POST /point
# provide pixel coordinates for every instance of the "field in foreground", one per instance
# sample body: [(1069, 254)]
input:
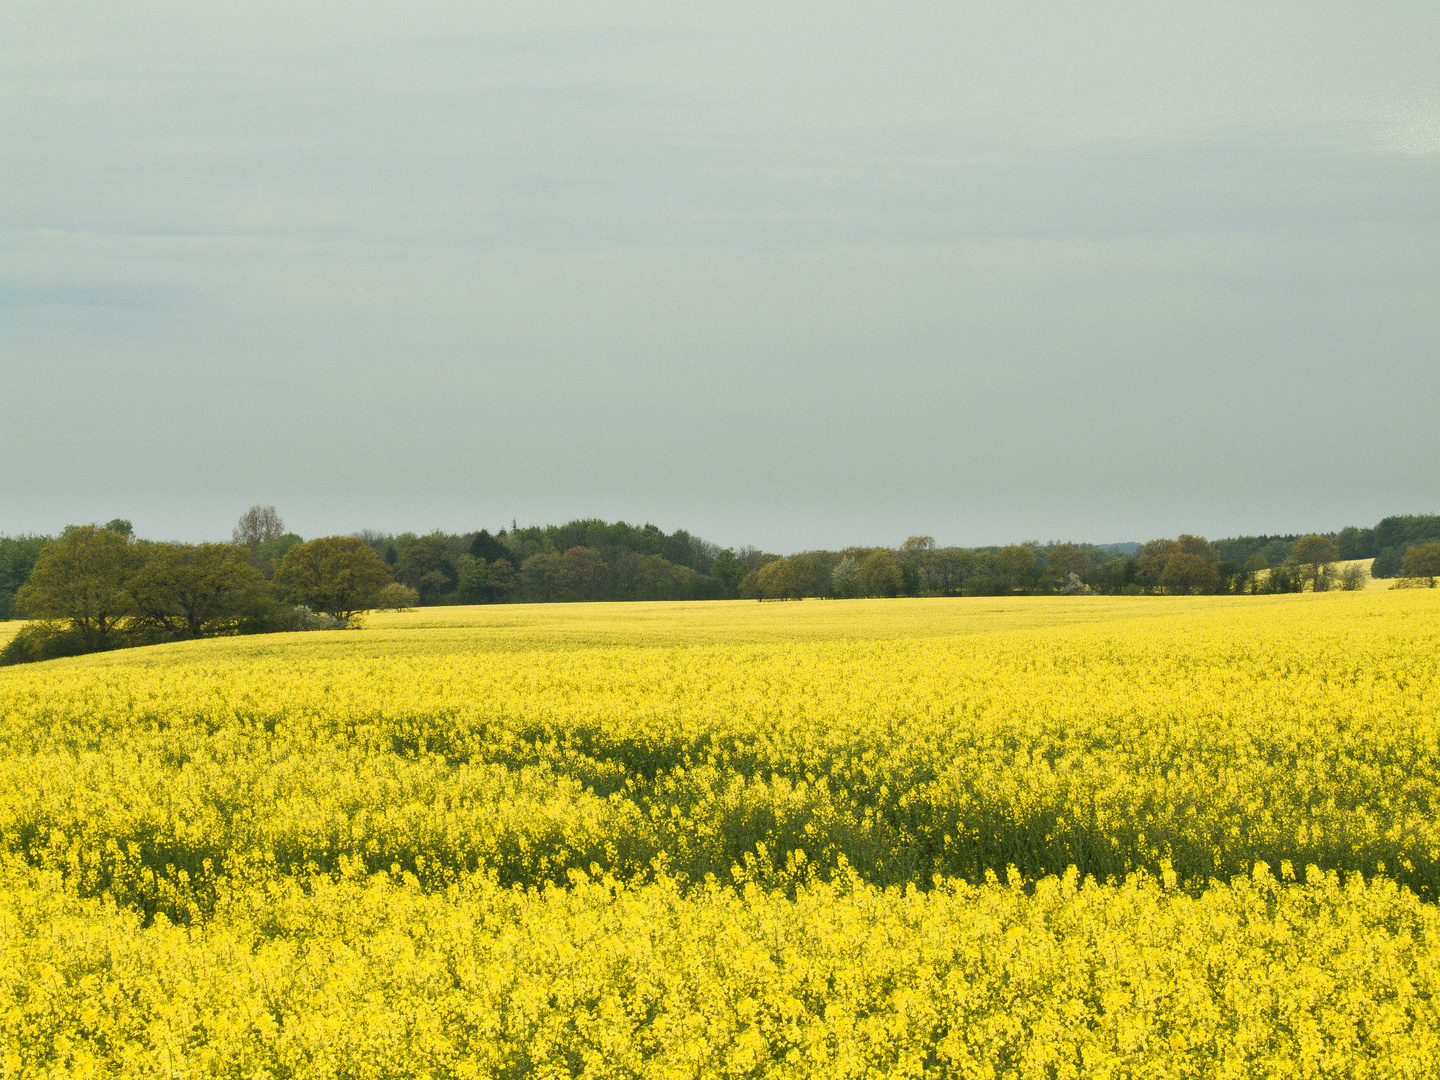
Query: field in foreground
[(1030, 837)]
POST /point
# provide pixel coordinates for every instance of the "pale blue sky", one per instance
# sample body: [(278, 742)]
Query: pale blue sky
[(824, 275)]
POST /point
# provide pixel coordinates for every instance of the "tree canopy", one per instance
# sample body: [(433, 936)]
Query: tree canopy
[(256, 525), (1314, 551), (195, 590), (83, 581), (1422, 561), (97, 586), (337, 575)]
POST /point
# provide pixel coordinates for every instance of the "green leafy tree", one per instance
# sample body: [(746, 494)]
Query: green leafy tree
[(1230, 576), (17, 558), (950, 567), (1114, 576), (1315, 553), (1354, 543), (82, 580), (916, 557), (1015, 568), (880, 573), (1251, 570), (1406, 530), (337, 575), (1352, 578), (1195, 545), (1064, 560), (779, 579), (1388, 563), (426, 565), (1422, 561), (581, 575), (396, 597), (651, 577), (540, 576), (812, 570), (1187, 573), (1283, 579), (845, 578), (1151, 560), (484, 546), (728, 570), (730, 567), (266, 555), (195, 590), (472, 579), (503, 579)]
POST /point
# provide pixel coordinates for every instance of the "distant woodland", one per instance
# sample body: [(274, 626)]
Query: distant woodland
[(98, 586)]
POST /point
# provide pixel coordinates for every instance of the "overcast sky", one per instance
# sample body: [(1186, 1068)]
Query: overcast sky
[(832, 274)]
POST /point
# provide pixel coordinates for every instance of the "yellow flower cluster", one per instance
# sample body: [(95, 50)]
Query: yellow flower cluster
[(736, 839), (376, 978)]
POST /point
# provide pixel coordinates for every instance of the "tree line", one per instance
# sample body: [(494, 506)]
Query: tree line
[(583, 560), (99, 587), (1187, 565)]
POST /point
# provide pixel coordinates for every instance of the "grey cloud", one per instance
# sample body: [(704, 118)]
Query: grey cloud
[(797, 277)]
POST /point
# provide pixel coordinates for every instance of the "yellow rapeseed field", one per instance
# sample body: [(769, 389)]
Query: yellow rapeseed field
[(1027, 837)]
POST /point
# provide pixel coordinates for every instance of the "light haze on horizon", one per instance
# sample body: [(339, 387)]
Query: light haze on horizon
[(798, 278)]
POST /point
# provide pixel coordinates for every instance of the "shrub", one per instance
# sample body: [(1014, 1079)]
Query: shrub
[(1387, 563), (1282, 579), (42, 641), (396, 597), (300, 617)]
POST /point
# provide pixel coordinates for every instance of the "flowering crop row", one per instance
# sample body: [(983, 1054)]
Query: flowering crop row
[(375, 977), (1209, 740), (736, 839)]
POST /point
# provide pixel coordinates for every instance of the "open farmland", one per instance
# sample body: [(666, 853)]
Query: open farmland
[(1161, 836)]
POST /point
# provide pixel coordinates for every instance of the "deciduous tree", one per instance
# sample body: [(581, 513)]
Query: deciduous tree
[(1015, 567), (266, 555), (1422, 561), (257, 524), (845, 578), (779, 579), (1150, 562), (1253, 565), (503, 579), (83, 580), (17, 559), (1315, 553), (1186, 574), (1066, 559), (916, 555), (1195, 545), (195, 590), (396, 597), (540, 575), (581, 574), (728, 569), (338, 575), (426, 565), (880, 573)]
